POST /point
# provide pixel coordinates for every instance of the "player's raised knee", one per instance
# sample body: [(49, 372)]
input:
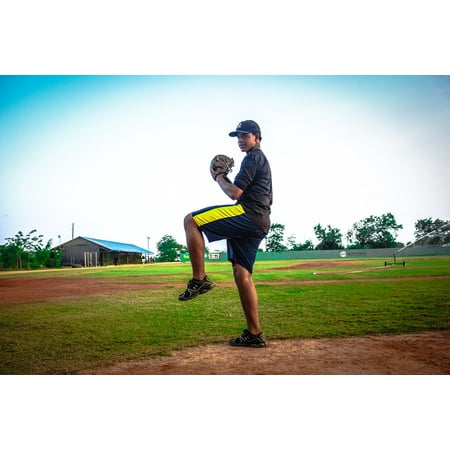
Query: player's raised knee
[(189, 222)]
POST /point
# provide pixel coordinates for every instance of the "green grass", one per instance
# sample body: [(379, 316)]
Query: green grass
[(68, 335)]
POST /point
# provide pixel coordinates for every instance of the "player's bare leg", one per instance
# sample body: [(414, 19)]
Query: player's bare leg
[(196, 246), (249, 297), (200, 283)]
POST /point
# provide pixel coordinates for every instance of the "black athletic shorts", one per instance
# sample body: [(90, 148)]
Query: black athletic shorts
[(230, 222)]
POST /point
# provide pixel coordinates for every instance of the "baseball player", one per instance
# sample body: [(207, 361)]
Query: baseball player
[(243, 224)]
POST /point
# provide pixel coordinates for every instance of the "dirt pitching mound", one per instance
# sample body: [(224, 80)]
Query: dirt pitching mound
[(427, 353)]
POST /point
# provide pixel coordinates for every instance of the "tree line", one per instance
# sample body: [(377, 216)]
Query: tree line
[(28, 251), (371, 232)]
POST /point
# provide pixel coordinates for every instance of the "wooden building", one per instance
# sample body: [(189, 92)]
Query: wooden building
[(88, 252)]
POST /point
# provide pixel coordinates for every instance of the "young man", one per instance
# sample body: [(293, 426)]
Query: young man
[(243, 225)]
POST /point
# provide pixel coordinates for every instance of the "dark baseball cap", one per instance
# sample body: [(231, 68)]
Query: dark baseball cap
[(246, 126)]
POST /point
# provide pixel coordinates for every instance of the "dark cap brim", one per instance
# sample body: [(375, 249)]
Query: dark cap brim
[(235, 133)]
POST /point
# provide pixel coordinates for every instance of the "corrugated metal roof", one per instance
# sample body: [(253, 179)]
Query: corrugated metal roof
[(118, 246)]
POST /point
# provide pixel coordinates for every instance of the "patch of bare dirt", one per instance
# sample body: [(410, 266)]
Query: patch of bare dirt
[(14, 290), (411, 354), (315, 265)]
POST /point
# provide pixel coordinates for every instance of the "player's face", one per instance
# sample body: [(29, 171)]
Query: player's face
[(247, 141)]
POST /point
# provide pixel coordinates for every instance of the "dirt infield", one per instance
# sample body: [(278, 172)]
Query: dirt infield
[(41, 289), (38, 289)]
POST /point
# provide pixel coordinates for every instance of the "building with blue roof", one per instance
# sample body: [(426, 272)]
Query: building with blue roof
[(88, 252)]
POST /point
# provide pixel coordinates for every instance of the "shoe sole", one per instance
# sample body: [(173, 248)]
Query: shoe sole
[(249, 345)]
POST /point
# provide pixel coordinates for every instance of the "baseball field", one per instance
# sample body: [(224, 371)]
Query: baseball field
[(342, 316)]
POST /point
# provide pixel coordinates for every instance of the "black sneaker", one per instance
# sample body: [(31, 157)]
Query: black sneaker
[(247, 339), (196, 287)]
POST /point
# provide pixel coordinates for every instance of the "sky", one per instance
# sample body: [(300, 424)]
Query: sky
[(124, 158)]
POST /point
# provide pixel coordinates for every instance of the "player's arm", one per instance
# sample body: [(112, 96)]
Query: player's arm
[(228, 187)]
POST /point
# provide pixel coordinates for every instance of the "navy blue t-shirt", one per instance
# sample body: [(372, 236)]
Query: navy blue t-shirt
[(255, 179)]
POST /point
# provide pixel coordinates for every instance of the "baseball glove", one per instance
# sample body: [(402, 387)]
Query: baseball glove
[(221, 164)]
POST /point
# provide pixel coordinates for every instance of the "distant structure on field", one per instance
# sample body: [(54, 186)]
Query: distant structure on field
[(89, 252)]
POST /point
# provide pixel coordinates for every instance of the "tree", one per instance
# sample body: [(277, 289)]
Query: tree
[(374, 232), (25, 250), (291, 242), (275, 238), (8, 257), (329, 238), (429, 232), (307, 245), (168, 249)]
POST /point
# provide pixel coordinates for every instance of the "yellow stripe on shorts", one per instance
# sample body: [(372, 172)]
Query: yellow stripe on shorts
[(223, 212)]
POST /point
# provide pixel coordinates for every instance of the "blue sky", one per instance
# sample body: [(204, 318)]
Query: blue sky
[(126, 157)]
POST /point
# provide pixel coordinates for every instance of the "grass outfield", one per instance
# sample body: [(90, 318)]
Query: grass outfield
[(298, 299)]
